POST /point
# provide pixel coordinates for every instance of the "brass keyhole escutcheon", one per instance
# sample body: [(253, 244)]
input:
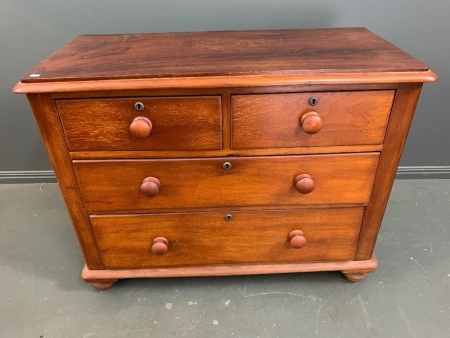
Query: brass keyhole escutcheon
[(313, 101), (139, 106), (227, 165)]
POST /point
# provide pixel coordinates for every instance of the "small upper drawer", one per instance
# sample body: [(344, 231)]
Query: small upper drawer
[(157, 123), (310, 119)]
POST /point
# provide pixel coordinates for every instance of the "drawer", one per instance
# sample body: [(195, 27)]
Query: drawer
[(115, 185), (291, 120), (176, 123), (125, 241)]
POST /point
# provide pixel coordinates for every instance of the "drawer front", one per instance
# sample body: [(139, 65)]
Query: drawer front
[(177, 123), (275, 120), (251, 181), (208, 238)]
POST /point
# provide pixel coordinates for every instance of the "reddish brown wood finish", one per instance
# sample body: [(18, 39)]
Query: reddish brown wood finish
[(146, 123), (160, 246), (354, 276), (204, 183), (397, 131), (304, 183), (91, 276), (205, 83), (179, 123), (209, 239), (86, 155), (297, 239), (141, 127), (273, 120), (103, 286), (53, 137), (226, 125), (224, 92), (276, 52), (150, 186), (311, 122)]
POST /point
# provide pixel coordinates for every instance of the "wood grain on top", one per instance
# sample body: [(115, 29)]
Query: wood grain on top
[(228, 53)]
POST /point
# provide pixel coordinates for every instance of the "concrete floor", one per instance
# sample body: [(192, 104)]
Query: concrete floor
[(43, 296)]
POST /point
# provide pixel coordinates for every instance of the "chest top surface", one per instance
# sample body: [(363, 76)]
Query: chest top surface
[(226, 53)]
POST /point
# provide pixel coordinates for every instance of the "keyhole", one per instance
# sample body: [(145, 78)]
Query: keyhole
[(227, 165), (313, 101), (139, 106), (228, 217)]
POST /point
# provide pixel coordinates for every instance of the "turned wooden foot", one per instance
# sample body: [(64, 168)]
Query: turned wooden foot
[(354, 276), (102, 286)]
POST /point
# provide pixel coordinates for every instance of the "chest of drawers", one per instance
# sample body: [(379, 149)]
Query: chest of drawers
[(224, 153)]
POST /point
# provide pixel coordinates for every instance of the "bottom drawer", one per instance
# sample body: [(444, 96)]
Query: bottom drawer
[(212, 238)]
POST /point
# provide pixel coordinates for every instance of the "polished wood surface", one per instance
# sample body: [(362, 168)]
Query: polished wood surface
[(225, 153), (150, 186), (178, 123), (251, 181), (274, 120), (223, 92), (354, 276), (304, 183), (160, 246), (93, 155), (141, 127), (54, 141), (311, 122), (276, 52), (297, 239), (238, 81), (401, 117), (210, 239), (92, 276)]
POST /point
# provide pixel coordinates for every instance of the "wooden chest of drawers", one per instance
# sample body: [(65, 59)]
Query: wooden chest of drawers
[(224, 153)]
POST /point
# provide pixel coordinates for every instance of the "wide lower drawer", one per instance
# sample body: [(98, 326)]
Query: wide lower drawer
[(142, 123), (310, 119), (126, 241), (118, 185)]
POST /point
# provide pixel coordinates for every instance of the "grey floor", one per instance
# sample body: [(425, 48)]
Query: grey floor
[(43, 296)]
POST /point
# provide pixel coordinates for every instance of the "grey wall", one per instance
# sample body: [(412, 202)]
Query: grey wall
[(31, 30)]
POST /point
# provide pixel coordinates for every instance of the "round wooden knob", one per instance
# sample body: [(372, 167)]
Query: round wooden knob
[(311, 122), (160, 246), (304, 184), (140, 127), (150, 186), (297, 239)]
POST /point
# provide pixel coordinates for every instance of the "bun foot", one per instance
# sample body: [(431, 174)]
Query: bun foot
[(354, 276), (103, 286)]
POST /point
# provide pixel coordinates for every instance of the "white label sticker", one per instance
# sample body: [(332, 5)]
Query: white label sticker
[(34, 75)]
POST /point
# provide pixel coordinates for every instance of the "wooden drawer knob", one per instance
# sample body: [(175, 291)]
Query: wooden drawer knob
[(311, 122), (140, 127), (160, 246), (304, 184), (150, 186), (297, 239)]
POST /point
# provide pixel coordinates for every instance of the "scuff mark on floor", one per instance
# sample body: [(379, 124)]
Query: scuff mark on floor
[(317, 314), (193, 324), (402, 314), (30, 300), (365, 313), (417, 263)]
